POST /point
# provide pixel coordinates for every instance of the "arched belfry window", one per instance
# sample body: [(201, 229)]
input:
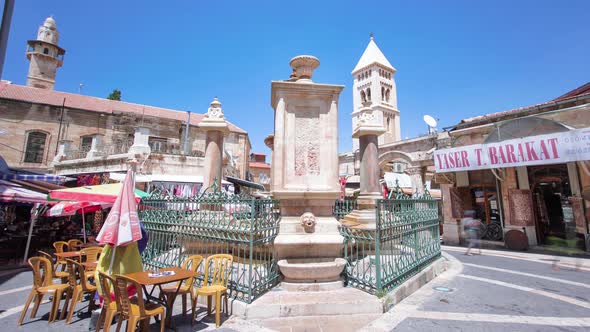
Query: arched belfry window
[(35, 148), (369, 94), (45, 50), (387, 95), (363, 96)]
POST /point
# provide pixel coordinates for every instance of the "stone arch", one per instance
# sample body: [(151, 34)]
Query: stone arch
[(388, 156), (369, 94), (363, 96)]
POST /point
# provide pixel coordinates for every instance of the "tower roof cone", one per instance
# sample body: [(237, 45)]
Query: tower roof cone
[(372, 55)]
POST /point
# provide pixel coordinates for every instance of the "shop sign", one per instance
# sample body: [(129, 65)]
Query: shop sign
[(555, 148)]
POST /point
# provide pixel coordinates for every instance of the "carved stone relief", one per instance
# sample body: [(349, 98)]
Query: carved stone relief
[(307, 142)]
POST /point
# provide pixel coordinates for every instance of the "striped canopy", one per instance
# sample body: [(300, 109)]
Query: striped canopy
[(104, 193)]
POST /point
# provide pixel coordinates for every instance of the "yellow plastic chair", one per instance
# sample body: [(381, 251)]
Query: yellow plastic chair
[(63, 275), (109, 307), (73, 244), (215, 283), (134, 311), (43, 284), (60, 246), (192, 264), (78, 286), (90, 254)]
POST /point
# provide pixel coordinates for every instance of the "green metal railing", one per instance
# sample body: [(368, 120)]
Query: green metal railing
[(215, 223), (343, 207), (404, 240)]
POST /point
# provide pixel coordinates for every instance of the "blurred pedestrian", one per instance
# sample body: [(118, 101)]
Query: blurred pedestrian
[(471, 228)]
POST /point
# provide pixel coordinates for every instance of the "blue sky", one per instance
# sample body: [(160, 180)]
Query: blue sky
[(455, 59)]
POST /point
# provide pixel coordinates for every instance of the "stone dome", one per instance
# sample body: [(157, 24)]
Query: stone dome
[(50, 23)]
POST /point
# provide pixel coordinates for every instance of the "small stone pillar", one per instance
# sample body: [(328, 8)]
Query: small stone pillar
[(62, 149), (140, 143), (215, 127), (97, 143), (269, 141), (367, 131)]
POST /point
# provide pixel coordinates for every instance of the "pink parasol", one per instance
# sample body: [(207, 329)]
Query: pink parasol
[(121, 226)]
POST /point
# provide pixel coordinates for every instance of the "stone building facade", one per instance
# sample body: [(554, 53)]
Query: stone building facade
[(48, 130), (547, 200)]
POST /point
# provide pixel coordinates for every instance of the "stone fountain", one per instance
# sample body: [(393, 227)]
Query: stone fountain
[(305, 175)]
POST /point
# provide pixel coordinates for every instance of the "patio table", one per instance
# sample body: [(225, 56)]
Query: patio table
[(145, 280)]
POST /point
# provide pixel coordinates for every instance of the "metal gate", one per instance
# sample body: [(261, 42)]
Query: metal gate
[(404, 240), (215, 223)]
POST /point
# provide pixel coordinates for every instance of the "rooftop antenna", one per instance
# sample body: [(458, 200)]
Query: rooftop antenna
[(431, 122), (80, 88)]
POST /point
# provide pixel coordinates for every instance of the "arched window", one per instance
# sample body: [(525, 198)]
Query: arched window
[(387, 95), (45, 50), (382, 93), (388, 124), (369, 94), (363, 96), (35, 148)]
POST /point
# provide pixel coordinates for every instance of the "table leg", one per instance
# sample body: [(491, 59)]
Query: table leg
[(170, 305)]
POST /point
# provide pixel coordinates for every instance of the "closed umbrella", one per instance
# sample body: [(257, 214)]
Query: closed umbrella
[(120, 232)]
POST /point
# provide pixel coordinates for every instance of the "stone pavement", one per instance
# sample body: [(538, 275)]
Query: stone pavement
[(498, 291), (495, 291)]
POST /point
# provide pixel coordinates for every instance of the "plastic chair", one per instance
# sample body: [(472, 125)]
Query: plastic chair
[(63, 275), (192, 264), (109, 307), (90, 254), (78, 286), (43, 284), (60, 246), (215, 283), (73, 244), (134, 311)]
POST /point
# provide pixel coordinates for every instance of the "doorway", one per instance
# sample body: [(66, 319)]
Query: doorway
[(553, 211)]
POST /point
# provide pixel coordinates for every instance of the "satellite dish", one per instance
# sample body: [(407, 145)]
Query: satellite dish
[(430, 121)]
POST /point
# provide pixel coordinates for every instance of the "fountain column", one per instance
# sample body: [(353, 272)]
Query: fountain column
[(367, 131), (305, 174), (215, 127)]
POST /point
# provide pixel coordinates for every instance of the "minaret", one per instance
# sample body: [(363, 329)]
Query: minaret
[(374, 93), (45, 56)]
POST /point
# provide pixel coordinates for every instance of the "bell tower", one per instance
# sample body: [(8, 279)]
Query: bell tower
[(374, 94), (45, 56)]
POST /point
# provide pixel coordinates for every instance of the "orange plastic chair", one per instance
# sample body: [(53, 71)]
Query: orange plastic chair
[(215, 283), (134, 311), (63, 275), (109, 307), (78, 286), (43, 284), (73, 244), (90, 254), (60, 246), (192, 264)]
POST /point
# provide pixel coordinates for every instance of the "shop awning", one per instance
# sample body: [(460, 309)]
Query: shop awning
[(554, 148), (245, 183), (18, 194), (162, 178), (105, 193)]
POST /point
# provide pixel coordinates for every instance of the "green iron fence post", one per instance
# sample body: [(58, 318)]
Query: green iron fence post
[(377, 246), (251, 240)]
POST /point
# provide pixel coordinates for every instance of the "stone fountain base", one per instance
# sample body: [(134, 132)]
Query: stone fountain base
[(311, 270)]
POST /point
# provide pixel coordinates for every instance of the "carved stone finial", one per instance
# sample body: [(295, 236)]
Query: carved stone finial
[(308, 222), (372, 36), (215, 111), (303, 66)]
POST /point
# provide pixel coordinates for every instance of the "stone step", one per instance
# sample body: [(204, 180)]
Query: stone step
[(309, 245), (282, 303), (336, 323)]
